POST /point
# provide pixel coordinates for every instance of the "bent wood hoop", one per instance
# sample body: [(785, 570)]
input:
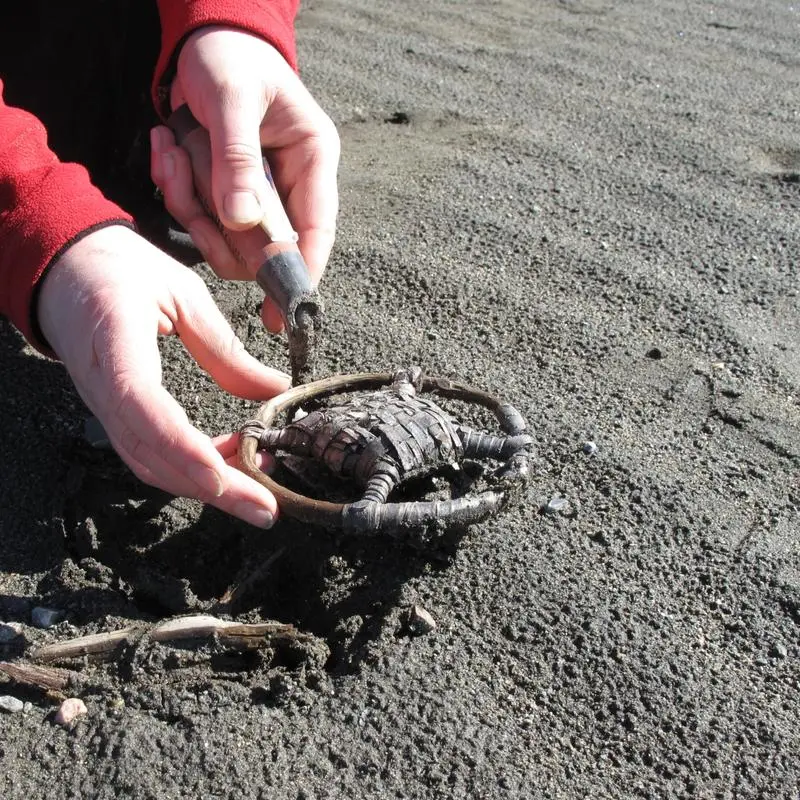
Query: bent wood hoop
[(365, 516)]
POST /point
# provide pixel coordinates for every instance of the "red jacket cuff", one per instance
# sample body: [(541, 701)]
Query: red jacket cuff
[(272, 20), (45, 205)]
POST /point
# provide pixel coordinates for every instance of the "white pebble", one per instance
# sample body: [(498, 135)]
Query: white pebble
[(11, 705), (556, 504), (45, 617), (420, 621), (69, 711), (590, 448)]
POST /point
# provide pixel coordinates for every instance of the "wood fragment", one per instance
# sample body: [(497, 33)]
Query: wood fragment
[(197, 626), (204, 626), (255, 635), (237, 590), (49, 678), (94, 644), (243, 636)]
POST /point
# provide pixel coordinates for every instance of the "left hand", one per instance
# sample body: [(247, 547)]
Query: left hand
[(102, 306), (244, 93)]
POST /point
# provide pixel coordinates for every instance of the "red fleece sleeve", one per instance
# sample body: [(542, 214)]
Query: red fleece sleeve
[(44, 207), (272, 20)]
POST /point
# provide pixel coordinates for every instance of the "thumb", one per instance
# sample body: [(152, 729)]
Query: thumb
[(238, 181)]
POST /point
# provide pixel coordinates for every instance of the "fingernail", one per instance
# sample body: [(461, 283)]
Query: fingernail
[(168, 165), (242, 207), (155, 140), (254, 514), (206, 478)]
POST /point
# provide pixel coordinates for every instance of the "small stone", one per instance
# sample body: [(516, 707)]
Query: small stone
[(398, 118), (590, 448), (116, 705), (45, 617), (11, 705), (27, 707), (556, 504), (779, 650), (655, 353), (69, 711), (9, 631), (420, 621), (95, 434)]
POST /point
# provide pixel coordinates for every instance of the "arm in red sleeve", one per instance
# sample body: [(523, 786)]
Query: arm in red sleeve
[(45, 206), (272, 20)]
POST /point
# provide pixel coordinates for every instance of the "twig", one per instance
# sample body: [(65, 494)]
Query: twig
[(96, 643), (48, 678)]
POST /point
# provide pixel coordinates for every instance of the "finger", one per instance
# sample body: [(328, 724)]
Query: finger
[(147, 423), (264, 462), (316, 244), (227, 445), (171, 170), (237, 173), (148, 427), (313, 200), (150, 468), (242, 497), (271, 316), (209, 338)]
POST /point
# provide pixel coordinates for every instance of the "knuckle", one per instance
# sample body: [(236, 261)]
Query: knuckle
[(239, 155), (131, 445), (234, 347)]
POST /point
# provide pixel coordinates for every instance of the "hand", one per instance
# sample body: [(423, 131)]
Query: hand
[(244, 93), (101, 307)]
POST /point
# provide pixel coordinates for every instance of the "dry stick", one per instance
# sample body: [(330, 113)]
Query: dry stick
[(235, 591), (198, 626), (243, 636), (203, 626), (94, 644), (48, 678)]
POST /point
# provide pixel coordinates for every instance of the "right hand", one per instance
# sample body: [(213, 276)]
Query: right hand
[(240, 88), (101, 307)]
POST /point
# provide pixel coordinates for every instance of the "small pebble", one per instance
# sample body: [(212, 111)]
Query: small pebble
[(655, 353), (69, 711), (9, 631), (116, 705), (779, 650), (11, 705), (45, 617), (590, 448), (556, 504), (420, 621), (95, 434)]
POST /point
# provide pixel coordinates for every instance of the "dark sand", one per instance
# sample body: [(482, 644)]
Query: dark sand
[(593, 209)]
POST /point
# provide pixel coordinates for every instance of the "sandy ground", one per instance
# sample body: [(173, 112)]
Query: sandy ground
[(590, 206)]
